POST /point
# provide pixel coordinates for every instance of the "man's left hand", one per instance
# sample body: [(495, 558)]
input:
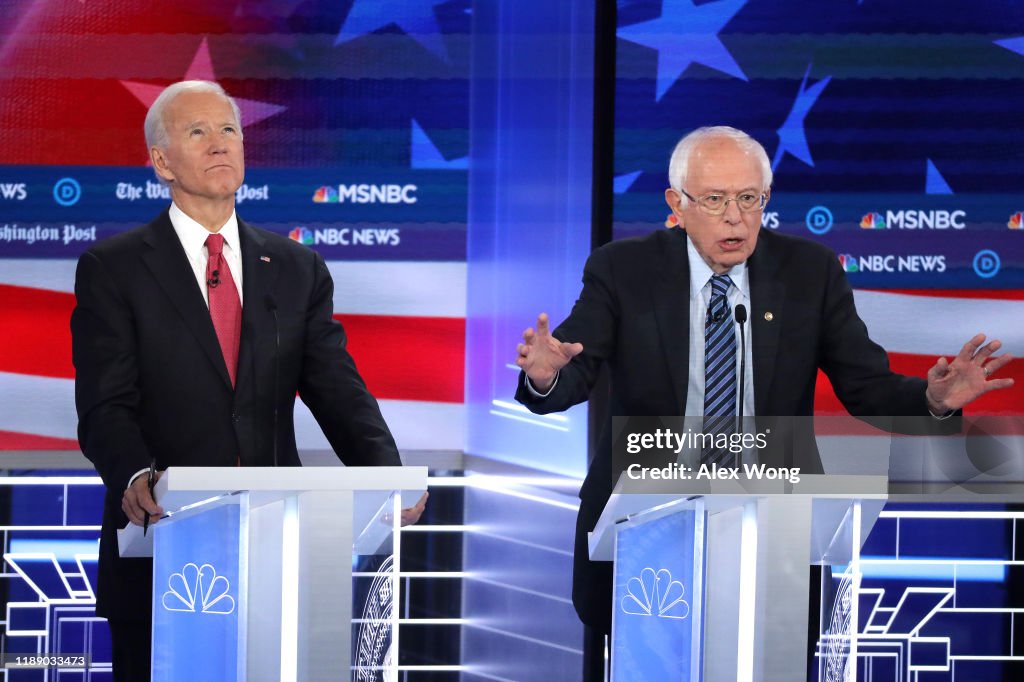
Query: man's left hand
[(952, 385)]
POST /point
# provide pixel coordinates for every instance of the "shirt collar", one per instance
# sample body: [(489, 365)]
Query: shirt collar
[(193, 236), (701, 272)]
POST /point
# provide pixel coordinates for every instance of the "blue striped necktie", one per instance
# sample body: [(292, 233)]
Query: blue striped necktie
[(719, 369)]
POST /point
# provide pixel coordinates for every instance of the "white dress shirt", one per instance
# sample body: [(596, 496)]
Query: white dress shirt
[(193, 236)]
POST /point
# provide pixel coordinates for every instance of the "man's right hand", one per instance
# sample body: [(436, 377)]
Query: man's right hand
[(138, 500), (541, 355)]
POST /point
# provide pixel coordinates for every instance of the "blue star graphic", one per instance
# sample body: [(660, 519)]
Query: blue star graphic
[(684, 34), (416, 18), (1015, 44), (424, 154), (934, 183), (792, 137)]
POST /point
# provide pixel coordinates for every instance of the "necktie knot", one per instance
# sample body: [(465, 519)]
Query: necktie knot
[(215, 244), (718, 308), (719, 284)]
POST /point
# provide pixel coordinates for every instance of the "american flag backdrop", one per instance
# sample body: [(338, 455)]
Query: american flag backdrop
[(894, 130), (356, 133)]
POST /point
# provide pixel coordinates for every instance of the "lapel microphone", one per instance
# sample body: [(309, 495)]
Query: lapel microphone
[(214, 281)]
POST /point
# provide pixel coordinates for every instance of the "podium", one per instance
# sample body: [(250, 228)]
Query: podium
[(262, 573), (712, 581)]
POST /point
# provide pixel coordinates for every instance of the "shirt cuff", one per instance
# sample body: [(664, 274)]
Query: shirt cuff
[(138, 473), (538, 394)]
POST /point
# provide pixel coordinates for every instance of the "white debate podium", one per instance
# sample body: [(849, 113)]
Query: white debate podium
[(745, 549), (262, 573)]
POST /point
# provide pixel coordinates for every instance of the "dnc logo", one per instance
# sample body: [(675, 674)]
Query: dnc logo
[(872, 221), (1015, 221), (301, 235), (849, 262), (325, 195)]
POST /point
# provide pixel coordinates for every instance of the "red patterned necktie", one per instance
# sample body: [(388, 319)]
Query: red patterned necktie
[(225, 306)]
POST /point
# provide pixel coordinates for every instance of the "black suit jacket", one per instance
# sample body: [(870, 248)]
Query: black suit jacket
[(633, 314), (151, 380)]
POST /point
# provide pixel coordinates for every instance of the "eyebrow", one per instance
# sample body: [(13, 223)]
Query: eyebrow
[(752, 188), (202, 122)]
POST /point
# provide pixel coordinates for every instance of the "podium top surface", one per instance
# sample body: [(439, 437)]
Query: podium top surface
[(185, 490), (629, 499), (292, 479)]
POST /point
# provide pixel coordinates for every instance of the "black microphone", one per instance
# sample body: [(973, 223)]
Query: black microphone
[(740, 313), (272, 307), (214, 281)]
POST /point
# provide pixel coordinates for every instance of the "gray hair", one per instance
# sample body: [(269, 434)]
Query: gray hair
[(156, 131), (679, 164)]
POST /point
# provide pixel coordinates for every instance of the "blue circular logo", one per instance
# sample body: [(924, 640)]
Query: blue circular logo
[(67, 192), (986, 263), (819, 220)]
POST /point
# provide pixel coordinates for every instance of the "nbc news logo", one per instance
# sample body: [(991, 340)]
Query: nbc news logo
[(301, 235)]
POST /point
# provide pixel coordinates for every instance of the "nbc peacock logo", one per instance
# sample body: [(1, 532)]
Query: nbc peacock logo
[(301, 235), (848, 262), (325, 195), (1015, 221), (872, 221)]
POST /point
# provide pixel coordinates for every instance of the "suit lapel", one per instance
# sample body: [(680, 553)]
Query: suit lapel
[(767, 300), (259, 276), (170, 267), (671, 294)]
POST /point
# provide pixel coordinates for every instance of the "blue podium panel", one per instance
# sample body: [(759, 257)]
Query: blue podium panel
[(196, 597), (658, 596)]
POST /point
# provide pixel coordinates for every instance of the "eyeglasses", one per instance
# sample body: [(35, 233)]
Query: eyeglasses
[(716, 203)]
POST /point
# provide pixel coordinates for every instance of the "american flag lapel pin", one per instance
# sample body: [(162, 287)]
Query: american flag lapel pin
[(265, 259)]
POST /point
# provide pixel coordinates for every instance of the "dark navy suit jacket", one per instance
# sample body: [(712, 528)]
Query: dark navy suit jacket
[(151, 380)]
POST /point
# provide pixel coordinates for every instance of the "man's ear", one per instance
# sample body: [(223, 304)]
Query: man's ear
[(159, 161), (674, 200)]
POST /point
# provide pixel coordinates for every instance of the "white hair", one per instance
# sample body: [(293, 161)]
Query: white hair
[(679, 164), (156, 130)]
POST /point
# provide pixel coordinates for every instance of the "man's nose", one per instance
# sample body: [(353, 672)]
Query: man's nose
[(218, 145), (732, 213)]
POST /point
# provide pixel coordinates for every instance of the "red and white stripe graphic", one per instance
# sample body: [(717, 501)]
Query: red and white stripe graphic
[(406, 329)]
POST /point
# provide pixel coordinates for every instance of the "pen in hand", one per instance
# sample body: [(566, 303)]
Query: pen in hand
[(150, 481)]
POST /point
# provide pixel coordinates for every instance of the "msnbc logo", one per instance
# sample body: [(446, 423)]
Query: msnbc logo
[(325, 195), (848, 262), (1015, 221), (301, 235), (872, 221)]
